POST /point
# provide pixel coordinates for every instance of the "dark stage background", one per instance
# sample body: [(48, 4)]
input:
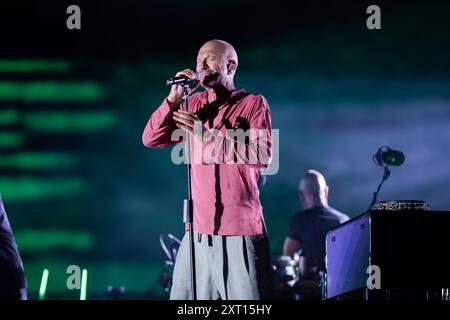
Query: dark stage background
[(80, 188)]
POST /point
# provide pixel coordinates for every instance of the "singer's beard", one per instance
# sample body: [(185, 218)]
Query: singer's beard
[(210, 80)]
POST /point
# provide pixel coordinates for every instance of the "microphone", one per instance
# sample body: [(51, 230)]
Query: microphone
[(386, 156), (183, 80)]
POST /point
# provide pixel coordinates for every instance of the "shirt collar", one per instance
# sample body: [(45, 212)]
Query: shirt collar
[(235, 93)]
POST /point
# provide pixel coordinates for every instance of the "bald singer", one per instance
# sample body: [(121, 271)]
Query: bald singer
[(231, 245)]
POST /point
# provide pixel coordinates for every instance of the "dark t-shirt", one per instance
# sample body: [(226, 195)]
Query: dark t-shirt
[(309, 227), (11, 269)]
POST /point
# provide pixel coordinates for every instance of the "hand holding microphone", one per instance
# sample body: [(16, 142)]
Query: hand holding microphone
[(182, 78)]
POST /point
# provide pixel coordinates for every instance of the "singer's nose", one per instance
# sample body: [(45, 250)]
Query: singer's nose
[(203, 64)]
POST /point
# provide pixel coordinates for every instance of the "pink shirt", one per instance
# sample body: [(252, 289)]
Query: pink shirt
[(225, 196)]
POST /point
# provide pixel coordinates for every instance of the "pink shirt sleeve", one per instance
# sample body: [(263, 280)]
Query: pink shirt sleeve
[(159, 128), (261, 141), (256, 152)]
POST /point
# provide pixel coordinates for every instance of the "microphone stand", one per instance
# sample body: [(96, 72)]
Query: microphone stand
[(386, 175), (188, 208)]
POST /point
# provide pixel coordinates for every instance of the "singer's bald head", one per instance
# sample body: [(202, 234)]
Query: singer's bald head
[(221, 47), (313, 189), (216, 64)]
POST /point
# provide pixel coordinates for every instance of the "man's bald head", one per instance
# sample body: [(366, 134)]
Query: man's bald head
[(221, 47), (313, 183), (313, 189), (217, 62)]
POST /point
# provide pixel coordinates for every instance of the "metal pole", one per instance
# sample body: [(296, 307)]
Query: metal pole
[(188, 210)]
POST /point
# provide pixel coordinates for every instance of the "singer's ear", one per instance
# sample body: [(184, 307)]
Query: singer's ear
[(231, 66)]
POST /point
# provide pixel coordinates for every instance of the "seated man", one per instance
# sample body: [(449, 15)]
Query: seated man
[(305, 242), (12, 278)]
